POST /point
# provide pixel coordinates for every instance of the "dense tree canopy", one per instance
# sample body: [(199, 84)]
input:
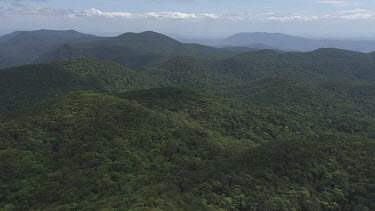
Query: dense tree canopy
[(201, 129), (175, 148)]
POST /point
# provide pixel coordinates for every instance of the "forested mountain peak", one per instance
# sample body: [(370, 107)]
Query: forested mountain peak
[(147, 35), (24, 47), (37, 35), (335, 51), (133, 50), (143, 40)]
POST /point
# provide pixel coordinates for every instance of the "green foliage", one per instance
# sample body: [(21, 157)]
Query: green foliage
[(195, 129), (176, 149), (31, 83)]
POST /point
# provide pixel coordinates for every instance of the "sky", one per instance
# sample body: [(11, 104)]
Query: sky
[(194, 18)]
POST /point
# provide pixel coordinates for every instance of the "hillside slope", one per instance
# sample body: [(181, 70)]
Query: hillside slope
[(24, 47), (27, 84), (186, 150), (339, 93)]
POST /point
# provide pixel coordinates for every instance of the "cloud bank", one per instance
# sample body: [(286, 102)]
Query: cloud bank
[(20, 10)]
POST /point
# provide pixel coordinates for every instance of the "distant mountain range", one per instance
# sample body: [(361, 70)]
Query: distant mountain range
[(149, 48), (286, 42), (133, 49), (130, 49)]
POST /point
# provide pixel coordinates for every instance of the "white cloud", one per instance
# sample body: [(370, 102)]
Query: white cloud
[(293, 18), (209, 15), (333, 2), (171, 15), (270, 17), (180, 15), (97, 13), (20, 10), (339, 3), (356, 14)]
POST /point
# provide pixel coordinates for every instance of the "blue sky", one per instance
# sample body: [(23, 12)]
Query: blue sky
[(194, 18)]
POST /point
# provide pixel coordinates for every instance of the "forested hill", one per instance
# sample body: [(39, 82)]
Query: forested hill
[(178, 149), (24, 47), (187, 127), (319, 80), (261, 76), (23, 85)]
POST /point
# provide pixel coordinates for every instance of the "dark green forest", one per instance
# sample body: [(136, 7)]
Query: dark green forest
[(143, 122)]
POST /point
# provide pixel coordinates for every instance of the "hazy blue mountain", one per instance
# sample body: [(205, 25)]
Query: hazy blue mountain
[(260, 46), (202, 41), (7, 37), (270, 39), (288, 42), (220, 43), (24, 47), (248, 48), (239, 49)]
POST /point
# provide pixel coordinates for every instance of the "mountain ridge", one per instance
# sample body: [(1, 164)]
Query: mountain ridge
[(24, 47), (134, 50), (295, 43), (139, 49)]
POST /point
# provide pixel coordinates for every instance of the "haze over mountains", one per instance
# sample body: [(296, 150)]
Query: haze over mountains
[(286, 42), (142, 121), (131, 48), (25, 47)]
